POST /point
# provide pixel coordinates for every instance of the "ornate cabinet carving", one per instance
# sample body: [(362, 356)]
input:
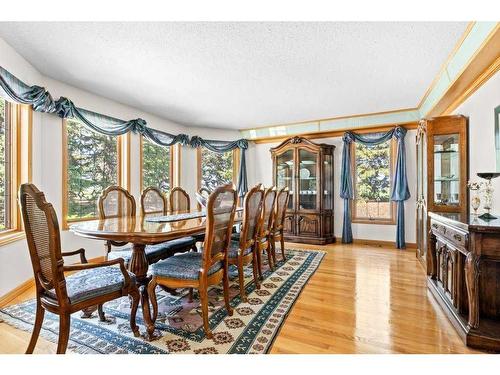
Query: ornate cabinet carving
[(442, 172), (306, 169), (463, 274)]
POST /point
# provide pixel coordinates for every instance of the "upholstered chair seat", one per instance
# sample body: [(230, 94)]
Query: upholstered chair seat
[(183, 266), (91, 283), (234, 248), (155, 253)]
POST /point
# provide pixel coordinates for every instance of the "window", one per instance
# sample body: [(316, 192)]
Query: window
[(15, 156), (372, 169), (91, 163), (215, 169), (156, 166)]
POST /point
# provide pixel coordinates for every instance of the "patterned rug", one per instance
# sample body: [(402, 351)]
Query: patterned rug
[(252, 328)]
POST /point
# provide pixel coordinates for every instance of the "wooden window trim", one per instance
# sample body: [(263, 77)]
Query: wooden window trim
[(123, 171), (236, 165), (392, 165), (174, 170), (20, 117)]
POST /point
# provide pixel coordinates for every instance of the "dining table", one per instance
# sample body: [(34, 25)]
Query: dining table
[(141, 231)]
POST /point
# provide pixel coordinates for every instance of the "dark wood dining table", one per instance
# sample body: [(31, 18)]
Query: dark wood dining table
[(141, 231)]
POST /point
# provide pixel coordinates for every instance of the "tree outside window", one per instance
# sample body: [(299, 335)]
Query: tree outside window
[(156, 166), (216, 168)]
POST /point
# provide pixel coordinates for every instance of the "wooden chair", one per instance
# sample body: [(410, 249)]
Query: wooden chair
[(179, 200), (115, 201), (204, 191), (242, 252), (210, 267), (263, 240), (276, 233), (95, 284), (153, 201)]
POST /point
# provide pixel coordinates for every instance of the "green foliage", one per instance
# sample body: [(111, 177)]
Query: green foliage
[(216, 168), (92, 166), (3, 182), (155, 166), (373, 172)]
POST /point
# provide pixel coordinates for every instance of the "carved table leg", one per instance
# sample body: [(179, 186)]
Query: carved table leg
[(472, 281), (139, 266)]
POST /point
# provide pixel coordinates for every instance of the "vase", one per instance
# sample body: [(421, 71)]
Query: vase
[(475, 202)]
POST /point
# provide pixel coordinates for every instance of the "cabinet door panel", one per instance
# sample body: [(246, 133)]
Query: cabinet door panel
[(289, 224), (308, 225)]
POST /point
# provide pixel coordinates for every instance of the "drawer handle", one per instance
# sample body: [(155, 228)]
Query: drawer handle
[(457, 237)]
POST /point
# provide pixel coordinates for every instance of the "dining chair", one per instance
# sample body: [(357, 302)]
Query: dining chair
[(179, 200), (276, 233), (204, 191), (153, 201), (116, 202), (263, 240), (242, 252), (95, 284), (206, 268)]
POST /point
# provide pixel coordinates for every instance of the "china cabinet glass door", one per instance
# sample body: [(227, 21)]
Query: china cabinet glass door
[(308, 180), (285, 174), (328, 182), (446, 170)]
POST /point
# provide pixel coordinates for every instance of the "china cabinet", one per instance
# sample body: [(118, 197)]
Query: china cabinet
[(442, 172), (306, 169)]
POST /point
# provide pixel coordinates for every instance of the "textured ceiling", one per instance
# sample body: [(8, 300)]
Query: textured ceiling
[(240, 75)]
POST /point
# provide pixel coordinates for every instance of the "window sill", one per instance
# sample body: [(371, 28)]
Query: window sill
[(11, 236), (68, 223), (377, 222)]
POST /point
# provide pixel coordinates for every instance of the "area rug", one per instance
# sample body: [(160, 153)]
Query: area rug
[(251, 329)]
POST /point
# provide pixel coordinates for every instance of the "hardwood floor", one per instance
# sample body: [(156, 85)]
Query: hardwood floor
[(362, 299)]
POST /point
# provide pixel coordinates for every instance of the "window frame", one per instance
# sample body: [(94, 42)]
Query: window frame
[(20, 117), (236, 165), (392, 165), (123, 171), (174, 169)]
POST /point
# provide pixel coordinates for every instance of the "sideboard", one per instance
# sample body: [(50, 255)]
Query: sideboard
[(463, 274)]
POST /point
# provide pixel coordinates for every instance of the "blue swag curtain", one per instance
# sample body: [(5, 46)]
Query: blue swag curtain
[(400, 191), (19, 92), (41, 100), (224, 146)]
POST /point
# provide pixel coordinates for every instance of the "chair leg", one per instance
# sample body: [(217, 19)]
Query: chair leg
[(203, 291), (134, 293), (152, 297), (64, 326), (190, 295), (269, 256), (272, 245), (259, 260), (100, 311), (282, 241), (241, 278), (255, 270), (40, 313), (225, 287)]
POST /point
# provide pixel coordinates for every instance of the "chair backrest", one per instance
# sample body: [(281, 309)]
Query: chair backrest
[(153, 201), (280, 210), (221, 208), (204, 192), (267, 212), (179, 200), (44, 242), (115, 201), (251, 216)]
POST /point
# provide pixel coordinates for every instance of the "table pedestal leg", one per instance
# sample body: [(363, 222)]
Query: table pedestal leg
[(139, 266)]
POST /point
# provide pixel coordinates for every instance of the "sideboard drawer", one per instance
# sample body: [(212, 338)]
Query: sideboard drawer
[(458, 238)]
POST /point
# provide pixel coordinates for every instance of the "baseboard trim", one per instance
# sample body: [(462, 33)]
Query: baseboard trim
[(30, 283), (378, 243)]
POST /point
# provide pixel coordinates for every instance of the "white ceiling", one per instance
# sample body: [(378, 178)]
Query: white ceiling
[(240, 75)]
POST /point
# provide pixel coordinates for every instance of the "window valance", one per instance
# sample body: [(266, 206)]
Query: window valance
[(225, 146), (400, 191)]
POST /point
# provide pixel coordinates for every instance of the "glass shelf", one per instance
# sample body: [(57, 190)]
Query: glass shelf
[(446, 170)]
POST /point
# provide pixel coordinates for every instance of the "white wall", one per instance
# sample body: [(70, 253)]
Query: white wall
[(479, 107), (15, 266), (260, 170)]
